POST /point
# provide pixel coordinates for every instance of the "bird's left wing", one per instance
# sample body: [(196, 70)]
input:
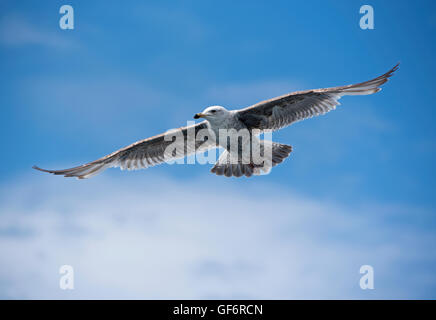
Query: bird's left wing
[(282, 111), (145, 153)]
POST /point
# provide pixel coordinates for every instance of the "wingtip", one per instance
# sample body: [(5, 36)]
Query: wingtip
[(395, 68), (42, 170), (391, 72)]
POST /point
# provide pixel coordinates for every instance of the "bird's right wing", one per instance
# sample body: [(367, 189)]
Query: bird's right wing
[(145, 153), (282, 111)]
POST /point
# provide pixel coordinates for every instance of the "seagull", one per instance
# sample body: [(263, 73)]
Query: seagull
[(265, 116)]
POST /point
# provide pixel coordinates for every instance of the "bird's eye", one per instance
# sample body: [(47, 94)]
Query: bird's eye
[(213, 111)]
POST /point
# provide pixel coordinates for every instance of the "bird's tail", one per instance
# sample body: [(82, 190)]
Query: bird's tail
[(273, 154)]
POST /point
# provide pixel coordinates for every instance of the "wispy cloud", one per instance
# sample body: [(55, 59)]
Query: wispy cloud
[(18, 31), (106, 101), (160, 238)]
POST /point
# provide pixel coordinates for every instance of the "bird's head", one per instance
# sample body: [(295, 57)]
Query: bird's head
[(213, 113)]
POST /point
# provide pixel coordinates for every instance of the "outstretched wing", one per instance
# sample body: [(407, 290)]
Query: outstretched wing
[(282, 111), (145, 153)]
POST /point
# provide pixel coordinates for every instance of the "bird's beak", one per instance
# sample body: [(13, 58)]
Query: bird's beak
[(199, 115)]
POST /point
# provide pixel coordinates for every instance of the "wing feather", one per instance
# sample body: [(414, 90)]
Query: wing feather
[(282, 111), (142, 154)]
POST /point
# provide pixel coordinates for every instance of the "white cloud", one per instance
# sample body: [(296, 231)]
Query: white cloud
[(151, 237), (17, 31)]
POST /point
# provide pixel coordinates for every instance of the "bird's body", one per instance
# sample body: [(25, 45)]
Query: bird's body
[(236, 131)]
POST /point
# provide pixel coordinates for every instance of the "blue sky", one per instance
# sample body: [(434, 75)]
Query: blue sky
[(360, 182)]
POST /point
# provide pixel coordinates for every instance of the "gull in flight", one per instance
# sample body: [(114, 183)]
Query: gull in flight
[(265, 116)]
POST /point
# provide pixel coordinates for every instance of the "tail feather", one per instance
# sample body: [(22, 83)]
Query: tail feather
[(226, 167)]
